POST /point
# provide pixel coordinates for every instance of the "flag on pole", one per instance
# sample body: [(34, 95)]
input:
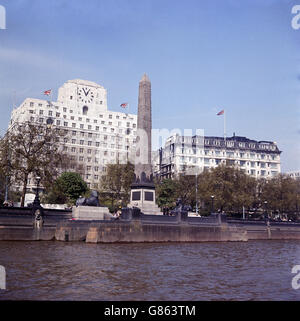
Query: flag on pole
[(124, 105), (222, 112), (47, 92)]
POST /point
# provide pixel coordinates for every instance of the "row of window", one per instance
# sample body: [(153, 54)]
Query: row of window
[(85, 176), (96, 160), (95, 121), (31, 104), (231, 143), (91, 135), (231, 162), (229, 154), (110, 116), (92, 168), (96, 151), (252, 172), (262, 172), (89, 176), (89, 127), (97, 144), (50, 114), (107, 136)]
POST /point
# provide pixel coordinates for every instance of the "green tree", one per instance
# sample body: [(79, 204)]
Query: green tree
[(166, 193), (232, 188), (115, 185), (2, 185), (30, 149), (281, 193), (67, 189), (127, 178), (186, 189)]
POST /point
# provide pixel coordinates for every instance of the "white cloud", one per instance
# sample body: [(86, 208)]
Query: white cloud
[(34, 59)]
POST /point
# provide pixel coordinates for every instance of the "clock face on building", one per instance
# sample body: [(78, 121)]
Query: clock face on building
[(85, 95)]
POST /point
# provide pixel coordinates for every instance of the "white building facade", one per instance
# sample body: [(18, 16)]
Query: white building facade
[(294, 174), (93, 135), (194, 154)]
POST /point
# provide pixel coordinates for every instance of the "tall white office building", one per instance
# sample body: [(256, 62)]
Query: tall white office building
[(93, 135)]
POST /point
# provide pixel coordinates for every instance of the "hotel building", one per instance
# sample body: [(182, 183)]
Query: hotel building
[(294, 174), (191, 154)]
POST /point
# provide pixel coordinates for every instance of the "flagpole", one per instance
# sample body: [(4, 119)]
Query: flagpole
[(51, 98), (225, 127)]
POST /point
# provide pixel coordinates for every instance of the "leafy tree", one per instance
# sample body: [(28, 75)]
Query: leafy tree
[(54, 195), (232, 189), (115, 185), (111, 183), (5, 167), (245, 187), (166, 193), (186, 189), (2, 186), (30, 149), (66, 189), (281, 193), (127, 178)]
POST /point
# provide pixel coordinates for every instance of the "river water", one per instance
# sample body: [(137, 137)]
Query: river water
[(254, 270)]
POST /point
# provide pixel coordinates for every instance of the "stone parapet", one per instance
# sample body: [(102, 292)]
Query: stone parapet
[(91, 213), (134, 226)]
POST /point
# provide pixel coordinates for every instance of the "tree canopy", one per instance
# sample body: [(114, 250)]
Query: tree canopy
[(66, 189), (31, 149), (166, 193), (282, 193), (232, 189), (115, 184)]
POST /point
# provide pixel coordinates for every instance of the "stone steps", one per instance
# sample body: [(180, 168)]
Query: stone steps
[(152, 209)]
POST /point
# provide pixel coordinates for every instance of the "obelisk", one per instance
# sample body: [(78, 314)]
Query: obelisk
[(143, 189), (144, 127)]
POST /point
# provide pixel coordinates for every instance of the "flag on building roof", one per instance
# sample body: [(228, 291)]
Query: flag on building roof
[(124, 105), (47, 92), (220, 112)]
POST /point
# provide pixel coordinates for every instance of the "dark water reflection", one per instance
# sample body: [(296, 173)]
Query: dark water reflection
[(257, 270)]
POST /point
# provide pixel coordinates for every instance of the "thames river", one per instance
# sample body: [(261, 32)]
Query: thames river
[(254, 270)]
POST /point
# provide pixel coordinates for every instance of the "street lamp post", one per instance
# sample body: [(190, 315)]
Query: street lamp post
[(6, 189), (36, 202), (266, 212), (196, 193), (37, 209), (212, 203)]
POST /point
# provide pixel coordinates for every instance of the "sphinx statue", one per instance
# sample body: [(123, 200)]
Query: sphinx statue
[(93, 200)]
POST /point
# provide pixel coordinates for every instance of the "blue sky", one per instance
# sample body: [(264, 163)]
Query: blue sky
[(201, 56)]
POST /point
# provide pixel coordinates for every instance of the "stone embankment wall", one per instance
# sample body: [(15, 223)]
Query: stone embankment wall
[(18, 224), (137, 227), (262, 230)]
